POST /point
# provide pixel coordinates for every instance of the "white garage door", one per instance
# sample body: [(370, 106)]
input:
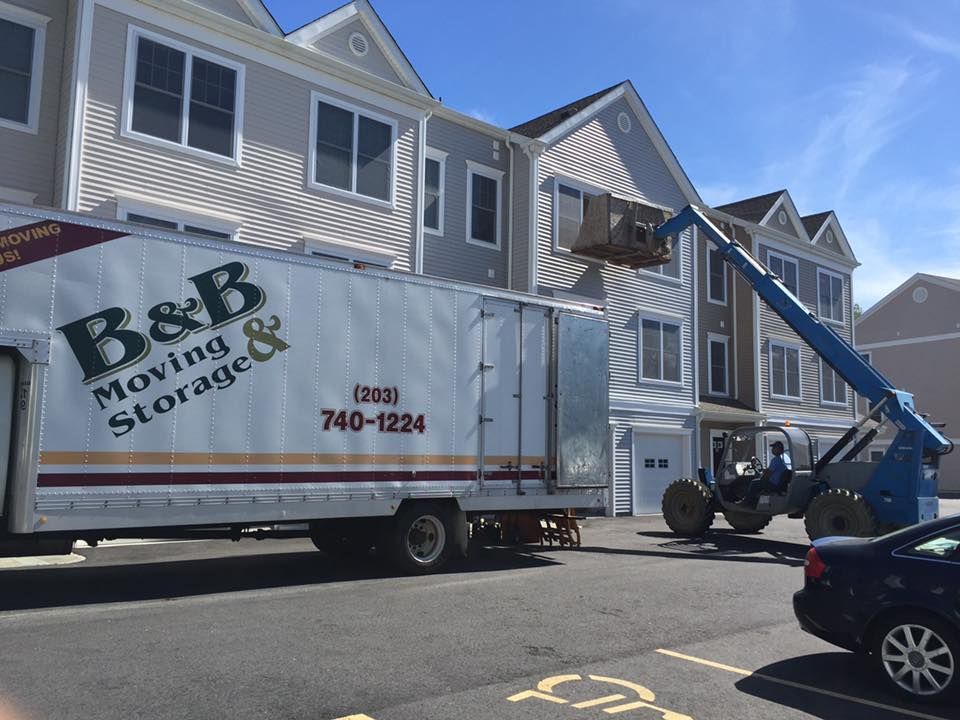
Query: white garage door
[(657, 462)]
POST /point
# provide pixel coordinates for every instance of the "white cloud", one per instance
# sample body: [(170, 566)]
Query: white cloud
[(721, 193), (483, 116)]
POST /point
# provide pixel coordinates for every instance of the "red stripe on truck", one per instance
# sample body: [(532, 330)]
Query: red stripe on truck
[(27, 244)]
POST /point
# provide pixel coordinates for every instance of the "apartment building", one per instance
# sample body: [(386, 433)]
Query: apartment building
[(753, 368), (912, 336)]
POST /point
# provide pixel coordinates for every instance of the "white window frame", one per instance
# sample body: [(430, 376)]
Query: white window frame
[(474, 168), (725, 340), (582, 188), (440, 157), (134, 33), (38, 23), (784, 259), (346, 251), (846, 393), (181, 215), (658, 274), (316, 97), (711, 251), (843, 311), (786, 384), (661, 318)]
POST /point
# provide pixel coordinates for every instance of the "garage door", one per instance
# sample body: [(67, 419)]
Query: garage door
[(657, 462)]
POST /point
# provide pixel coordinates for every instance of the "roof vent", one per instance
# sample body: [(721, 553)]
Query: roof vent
[(830, 236), (920, 294), (782, 217), (358, 44), (623, 122)]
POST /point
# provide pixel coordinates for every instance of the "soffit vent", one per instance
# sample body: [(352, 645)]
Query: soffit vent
[(358, 44), (623, 122)]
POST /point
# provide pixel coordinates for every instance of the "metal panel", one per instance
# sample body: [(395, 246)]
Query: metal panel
[(583, 441), (501, 386), (534, 386), (8, 378)]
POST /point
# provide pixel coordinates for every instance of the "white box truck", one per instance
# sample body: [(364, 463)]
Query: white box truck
[(154, 383)]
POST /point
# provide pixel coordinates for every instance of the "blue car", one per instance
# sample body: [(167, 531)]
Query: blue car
[(894, 597)]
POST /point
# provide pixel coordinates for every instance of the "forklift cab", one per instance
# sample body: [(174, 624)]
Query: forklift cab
[(747, 454)]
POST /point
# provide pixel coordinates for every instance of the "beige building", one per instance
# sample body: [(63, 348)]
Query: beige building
[(912, 336)]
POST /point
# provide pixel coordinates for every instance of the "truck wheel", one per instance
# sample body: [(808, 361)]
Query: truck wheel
[(917, 656), (839, 512), (744, 522), (422, 540), (688, 507)]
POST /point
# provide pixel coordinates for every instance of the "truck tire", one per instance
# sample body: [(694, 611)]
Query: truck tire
[(839, 512), (688, 507), (746, 522), (422, 539)]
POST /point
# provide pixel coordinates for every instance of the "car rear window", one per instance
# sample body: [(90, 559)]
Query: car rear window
[(942, 546)]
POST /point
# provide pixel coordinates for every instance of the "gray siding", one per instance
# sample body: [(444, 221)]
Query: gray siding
[(29, 160), (375, 62), (771, 326), (227, 8), (902, 317), (746, 343), (67, 90), (521, 220), (268, 192), (714, 318), (622, 470), (788, 227), (451, 255), (831, 247), (598, 153)]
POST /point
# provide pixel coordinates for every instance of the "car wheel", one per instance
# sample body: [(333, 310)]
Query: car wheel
[(687, 507), (918, 656), (839, 512)]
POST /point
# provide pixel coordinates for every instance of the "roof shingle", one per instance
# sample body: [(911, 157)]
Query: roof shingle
[(813, 223), (752, 209), (543, 124)]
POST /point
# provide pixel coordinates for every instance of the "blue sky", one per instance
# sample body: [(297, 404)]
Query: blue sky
[(852, 106)]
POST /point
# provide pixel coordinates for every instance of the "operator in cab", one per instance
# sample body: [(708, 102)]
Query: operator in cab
[(774, 478)]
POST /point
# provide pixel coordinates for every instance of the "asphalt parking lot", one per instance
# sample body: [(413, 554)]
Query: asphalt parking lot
[(634, 624)]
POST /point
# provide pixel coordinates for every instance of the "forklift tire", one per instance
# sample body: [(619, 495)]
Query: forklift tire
[(838, 511), (745, 522), (688, 507)]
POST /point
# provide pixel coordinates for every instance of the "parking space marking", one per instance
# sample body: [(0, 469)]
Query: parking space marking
[(545, 690), (361, 716), (599, 701), (799, 686)]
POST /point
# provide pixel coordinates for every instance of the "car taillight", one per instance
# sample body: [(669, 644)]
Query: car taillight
[(813, 566)]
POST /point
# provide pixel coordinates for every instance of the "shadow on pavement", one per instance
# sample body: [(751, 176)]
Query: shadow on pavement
[(842, 673), (85, 585)]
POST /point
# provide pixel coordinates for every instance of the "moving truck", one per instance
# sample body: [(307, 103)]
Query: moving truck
[(155, 384)]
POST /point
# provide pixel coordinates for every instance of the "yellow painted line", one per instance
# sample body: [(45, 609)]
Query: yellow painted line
[(801, 686), (361, 716), (599, 701)]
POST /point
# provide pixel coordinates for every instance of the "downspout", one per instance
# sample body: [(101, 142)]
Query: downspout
[(533, 152), (421, 182), (510, 220), (695, 333), (78, 104)]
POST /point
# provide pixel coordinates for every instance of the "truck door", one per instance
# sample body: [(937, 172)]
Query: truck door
[(514, 394), (8, 378)]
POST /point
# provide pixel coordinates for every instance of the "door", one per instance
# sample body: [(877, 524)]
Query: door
[(717, 440), (515, 377), (658, 461)]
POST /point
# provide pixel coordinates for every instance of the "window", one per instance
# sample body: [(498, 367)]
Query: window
[(483, 205), (830, 296), (833, 389), (571, 204), (22, 39), (944, 545), (179, 95), (649, 463), (786, 269), (663, 463), (434, 170), (352, 150), (784, 371), (717, 277), (659, 350), (672, 268), (168, 224), (717, 357)]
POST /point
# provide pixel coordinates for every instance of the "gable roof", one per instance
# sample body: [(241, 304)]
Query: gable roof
[(260, 14), (308, 34), (543, 124), (813, 223), (947, 282), (752, 209)]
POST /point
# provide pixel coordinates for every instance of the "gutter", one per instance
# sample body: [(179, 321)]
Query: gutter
[(70, 199), (421, 184)]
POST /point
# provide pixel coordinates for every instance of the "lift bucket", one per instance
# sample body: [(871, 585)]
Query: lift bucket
[(621, 232)]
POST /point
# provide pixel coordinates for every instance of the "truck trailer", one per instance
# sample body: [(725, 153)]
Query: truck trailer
[(156, 384)]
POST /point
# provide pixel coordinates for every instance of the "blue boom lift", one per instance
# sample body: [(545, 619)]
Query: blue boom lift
[(845, 497)]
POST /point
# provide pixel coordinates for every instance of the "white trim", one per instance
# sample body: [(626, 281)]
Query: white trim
[(440, 157), (648, 408), (785, 202), (723, 274), (846, 391), (134, 33), (474, 168), (37, 23), (259, 14), (695, 320), (811, 253), (783, 260), (582, 188), (346, 250), (19, 197), (421, 185), (176, 212), (843, 310), (786, 384), (725, 341), (662, 318), (757, 341), (948, 283), (357, 111), (810, 424), (78, 100), (841, 237), (909, 341), (533, 241), (510, 232)]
